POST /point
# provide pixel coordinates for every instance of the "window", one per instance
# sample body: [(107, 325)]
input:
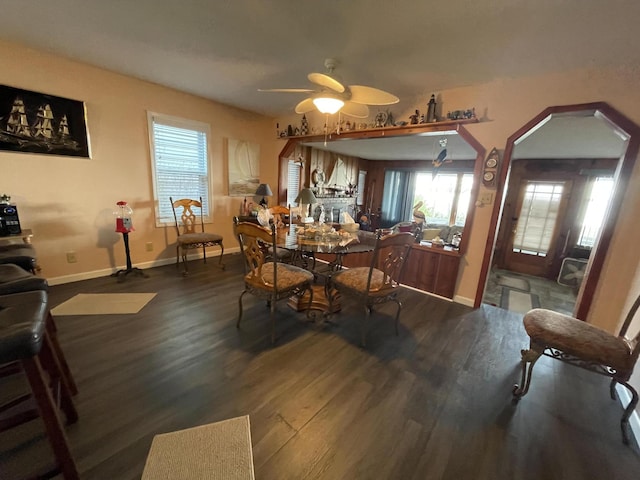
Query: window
[(601, 190), (180, 163), (293, 182), (445, 197), (362, 181), (537, 218)]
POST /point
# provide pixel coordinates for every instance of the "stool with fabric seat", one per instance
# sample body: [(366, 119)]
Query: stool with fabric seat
[(23, 339), (21, 254), (14, 279)]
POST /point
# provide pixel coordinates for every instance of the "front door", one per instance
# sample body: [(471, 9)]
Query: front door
[(533, 240)]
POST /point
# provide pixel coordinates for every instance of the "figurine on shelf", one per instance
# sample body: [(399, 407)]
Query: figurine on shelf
[(413, 119), (304, 126), (431, 109)]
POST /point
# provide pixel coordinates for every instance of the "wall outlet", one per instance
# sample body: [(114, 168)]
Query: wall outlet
[(71, 257), (149, 246)]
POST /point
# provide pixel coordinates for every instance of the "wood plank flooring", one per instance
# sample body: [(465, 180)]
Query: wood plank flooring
[(432, 403)]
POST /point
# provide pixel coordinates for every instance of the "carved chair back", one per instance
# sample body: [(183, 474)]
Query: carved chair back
[(188, 217)]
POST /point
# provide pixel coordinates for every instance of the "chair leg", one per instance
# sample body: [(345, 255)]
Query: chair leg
[(50, 362), (624, 422), (272, 317), (184, 261), (363, 326), (178, 256), (204, 253), (398, 315), (529, 359), (221, 254), (310, 290), (612, 388), (52, 423), (55, 345), (240, 308)]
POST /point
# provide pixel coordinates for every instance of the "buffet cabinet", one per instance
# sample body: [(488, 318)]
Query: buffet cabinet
[(432, 269)]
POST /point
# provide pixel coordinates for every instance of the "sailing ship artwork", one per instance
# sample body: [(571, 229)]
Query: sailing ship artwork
[(244, 167), (33, 122)]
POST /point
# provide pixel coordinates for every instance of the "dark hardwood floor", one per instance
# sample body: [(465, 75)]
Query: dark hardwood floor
[(432, 403)]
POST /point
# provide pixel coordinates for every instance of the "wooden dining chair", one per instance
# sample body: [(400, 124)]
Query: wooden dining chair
[(379, 282), (190, 231), (265, 276), (583, 345)]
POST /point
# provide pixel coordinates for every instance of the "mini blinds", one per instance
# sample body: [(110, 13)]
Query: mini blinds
[(293, 182), (537, 219), (180, 163)]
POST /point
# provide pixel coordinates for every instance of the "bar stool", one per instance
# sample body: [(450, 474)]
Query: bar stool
[(23, 339), (14, 279)]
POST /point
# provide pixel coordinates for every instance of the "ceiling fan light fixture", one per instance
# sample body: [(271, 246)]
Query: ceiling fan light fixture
[(328, 104)]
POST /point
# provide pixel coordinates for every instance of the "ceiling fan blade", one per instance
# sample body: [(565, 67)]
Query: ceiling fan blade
[(371, 96), (286, 90), (326, 81), (357, 110), (305, 106)]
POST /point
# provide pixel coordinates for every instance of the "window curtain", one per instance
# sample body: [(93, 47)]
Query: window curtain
[(398, 189)]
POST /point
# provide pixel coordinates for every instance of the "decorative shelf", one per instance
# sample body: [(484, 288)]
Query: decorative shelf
[(384, 131)]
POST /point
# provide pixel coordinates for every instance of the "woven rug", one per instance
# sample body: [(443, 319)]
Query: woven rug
[(517, 301), (219, 450), (103, 304)]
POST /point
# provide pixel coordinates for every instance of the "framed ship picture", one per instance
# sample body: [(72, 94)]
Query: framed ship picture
[(33, 122)]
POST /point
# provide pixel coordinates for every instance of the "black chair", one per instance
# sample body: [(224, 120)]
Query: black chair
[(21, 254), (23, 339)]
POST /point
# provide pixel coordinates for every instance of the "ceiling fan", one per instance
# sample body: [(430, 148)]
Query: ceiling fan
[(332, 95)]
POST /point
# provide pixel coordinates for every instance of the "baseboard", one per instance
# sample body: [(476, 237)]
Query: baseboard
[(464, 300), (76, 277), (634, 420)]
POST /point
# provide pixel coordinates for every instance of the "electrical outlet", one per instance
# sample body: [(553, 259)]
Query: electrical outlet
[(149, 246), (71, 257), (486, 198)]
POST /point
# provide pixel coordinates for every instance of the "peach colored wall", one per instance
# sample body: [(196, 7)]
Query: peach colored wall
[(68, 202)]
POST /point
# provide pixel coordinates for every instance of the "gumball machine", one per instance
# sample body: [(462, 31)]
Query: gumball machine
[(124, 225)]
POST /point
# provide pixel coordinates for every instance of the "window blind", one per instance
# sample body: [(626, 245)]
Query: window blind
[(293, 182), (180, 164)]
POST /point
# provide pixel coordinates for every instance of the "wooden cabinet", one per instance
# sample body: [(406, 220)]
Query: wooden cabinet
[(433, 270)]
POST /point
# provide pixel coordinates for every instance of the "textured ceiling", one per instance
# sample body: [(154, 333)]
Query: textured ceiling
[(225, 50)]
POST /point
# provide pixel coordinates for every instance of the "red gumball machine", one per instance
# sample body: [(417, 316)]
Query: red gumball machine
[(124, 225), (123, 215)]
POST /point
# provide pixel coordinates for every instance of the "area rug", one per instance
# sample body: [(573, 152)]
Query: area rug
[(219, 450), (517, 301), (514, 282), (103, 304)]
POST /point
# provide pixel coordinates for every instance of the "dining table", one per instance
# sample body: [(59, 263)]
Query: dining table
[(309, 243)]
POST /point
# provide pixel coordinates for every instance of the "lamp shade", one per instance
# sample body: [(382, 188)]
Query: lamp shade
[(328, 104), (306, 197), (264, 189)]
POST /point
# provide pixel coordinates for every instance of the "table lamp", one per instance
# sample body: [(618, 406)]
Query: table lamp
[(306, 197), (263, 190)]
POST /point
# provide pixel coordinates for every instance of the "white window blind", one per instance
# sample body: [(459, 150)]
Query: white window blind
[(537, 219), (293, 182), (362, 180), (180, 163)]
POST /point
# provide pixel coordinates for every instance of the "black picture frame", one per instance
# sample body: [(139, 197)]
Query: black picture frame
[(33, 122)]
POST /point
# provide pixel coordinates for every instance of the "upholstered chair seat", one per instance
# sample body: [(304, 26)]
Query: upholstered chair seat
[(378, 283), (583, 345)]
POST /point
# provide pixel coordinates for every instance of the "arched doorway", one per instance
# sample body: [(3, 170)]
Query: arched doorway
[(623, 127)]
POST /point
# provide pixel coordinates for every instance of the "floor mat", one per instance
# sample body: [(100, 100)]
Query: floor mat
[(103, 304), (514, 282), (517, 301)]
